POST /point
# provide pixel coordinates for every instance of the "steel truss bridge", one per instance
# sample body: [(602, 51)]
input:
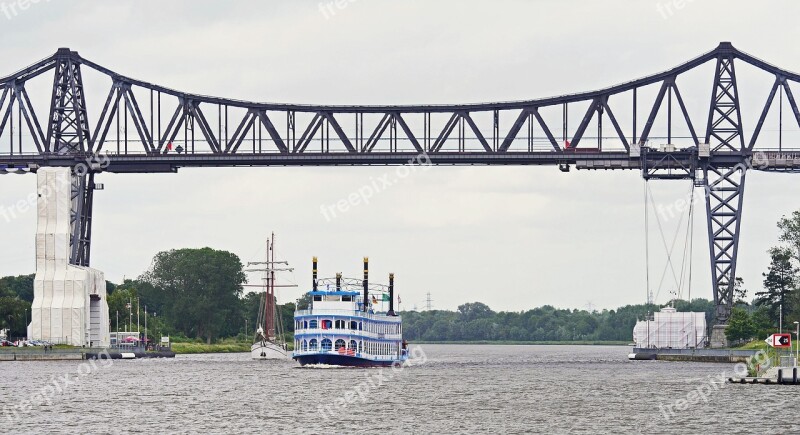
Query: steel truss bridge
[(143, 128)]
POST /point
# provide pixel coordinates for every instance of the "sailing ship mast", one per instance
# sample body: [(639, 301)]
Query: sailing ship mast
[(270, 332), (269, 307)]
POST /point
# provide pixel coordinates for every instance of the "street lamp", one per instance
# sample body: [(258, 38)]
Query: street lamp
[(796, 344)]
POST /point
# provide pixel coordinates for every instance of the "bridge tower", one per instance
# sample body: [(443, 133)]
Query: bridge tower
[(724, 187), (69, 298), (68, 135)]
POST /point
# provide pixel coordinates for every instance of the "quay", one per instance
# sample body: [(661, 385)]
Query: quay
[(693, 355), (80, 354), (773, 376)]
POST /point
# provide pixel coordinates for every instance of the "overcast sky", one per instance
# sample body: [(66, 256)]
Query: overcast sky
[(511, 237)]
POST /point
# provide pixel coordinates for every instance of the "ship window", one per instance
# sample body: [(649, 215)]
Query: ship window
[(305, 346), (353, 344), (317, 298), (312, 345), (327, 324), (360, 326), (312, 324), (360, 346), (347, 298), (340, 324), (326, 345), (305, 324), (340, 344), (353, 325)]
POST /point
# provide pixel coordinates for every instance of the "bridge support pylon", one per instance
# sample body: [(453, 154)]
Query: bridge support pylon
[(724, 192), (82, 198), (724, 188)]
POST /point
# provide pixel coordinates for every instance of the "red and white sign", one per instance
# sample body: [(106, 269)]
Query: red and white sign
[(779, 340)]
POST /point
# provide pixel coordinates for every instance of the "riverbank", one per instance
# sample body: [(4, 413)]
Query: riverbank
[(195, 348), (693, 355), (78, 354), (529, 343)]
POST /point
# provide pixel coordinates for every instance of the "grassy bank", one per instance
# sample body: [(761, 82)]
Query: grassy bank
[(224, 346), (189, 348), (753, 345), (523, 343)]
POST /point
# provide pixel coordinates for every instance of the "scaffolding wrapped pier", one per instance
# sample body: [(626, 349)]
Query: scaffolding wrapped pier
[(669, 329)]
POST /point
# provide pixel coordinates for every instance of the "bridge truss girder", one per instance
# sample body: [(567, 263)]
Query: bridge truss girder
[(268, 134)]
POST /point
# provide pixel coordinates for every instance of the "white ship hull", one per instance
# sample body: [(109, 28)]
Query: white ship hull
[(265, 350)]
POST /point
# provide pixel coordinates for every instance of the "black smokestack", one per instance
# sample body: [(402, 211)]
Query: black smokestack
[(366, 283), (314, 272), (391, 295), (338, 282)]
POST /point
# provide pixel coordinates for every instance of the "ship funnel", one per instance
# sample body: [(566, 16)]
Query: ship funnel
[(338, 282), (366, 283), (391, 295), (314, 273)]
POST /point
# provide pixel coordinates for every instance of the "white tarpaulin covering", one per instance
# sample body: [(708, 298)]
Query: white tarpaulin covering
[(64, 296), (672, 330)]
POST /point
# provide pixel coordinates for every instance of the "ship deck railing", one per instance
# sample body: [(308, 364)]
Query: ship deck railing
[(347, 331), (350, 313)]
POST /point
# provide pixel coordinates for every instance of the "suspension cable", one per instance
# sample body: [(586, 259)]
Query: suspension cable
[(668, 249), (691, 243), (686, 250), (646, 244)]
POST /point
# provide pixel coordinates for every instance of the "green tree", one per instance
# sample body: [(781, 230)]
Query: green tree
[(121, 306), (779, 281), (202, 287), (790, 233), (762, 323), (13, 314), (474, 310), (251, 304), (739, 292), (304, 302), (740, 326), (17, 286)]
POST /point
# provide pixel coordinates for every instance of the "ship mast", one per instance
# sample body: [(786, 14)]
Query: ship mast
[(269, 304), (269, 327)]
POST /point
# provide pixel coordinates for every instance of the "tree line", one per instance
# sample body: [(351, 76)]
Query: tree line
[(198, 294), (477, 322), (778, 303)]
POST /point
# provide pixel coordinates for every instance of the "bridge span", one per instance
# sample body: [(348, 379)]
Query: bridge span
[(141, 127)]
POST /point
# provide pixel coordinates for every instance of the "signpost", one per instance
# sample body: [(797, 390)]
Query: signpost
[(779, 340)]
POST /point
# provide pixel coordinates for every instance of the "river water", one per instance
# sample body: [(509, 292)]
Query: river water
[(447, 389)]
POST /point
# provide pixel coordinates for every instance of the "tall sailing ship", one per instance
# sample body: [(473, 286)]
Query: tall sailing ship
[(268, 343), (344, 327)]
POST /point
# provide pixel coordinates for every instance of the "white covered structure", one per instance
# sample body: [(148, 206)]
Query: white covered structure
[(69, 302), (670, 329)]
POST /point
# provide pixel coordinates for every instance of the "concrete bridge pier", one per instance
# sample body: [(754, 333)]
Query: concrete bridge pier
[(69, 301)]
